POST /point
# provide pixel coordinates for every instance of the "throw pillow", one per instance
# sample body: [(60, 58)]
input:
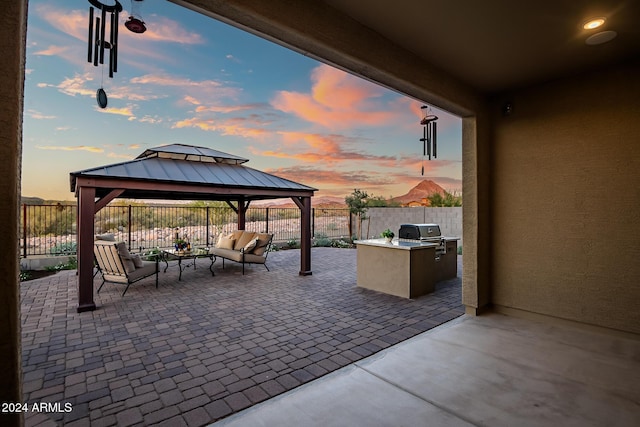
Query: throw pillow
[(242, 241), (125, 256), (109, 237), (225, 243), (263, 241), (248, 248), (137, 261)]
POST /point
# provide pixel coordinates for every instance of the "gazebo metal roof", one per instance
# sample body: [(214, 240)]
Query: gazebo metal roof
[(179, 172), (201, 173)]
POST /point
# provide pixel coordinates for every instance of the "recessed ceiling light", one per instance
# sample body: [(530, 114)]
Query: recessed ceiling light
[(601, 37), (594, 23)]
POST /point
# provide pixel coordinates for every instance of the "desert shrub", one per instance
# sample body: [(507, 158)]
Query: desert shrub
[(321, 240), (64, 248)]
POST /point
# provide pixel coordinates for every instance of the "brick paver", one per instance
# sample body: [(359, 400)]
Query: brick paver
[(197, 350)]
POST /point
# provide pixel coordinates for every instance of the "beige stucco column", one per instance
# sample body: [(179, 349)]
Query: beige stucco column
[(13, 21)]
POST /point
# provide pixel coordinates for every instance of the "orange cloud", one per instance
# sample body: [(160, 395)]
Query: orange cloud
[(124, 111), (225, 127), (38, 115), (71, 148), (329, 149), (160, 29), (194, 89), (229, 108), (52, 51), (337, 100)]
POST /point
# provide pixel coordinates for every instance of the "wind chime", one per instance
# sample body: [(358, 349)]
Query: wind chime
[(98, 43), (429, 135), (135, 24)]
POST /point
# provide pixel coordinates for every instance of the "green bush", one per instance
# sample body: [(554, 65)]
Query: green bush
[(341, 244), (72, 264), (65, 248), (321, 240)]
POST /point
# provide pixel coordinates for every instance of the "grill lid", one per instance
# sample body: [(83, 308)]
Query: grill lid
[(419, 231)]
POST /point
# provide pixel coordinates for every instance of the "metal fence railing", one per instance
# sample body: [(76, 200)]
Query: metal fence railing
[(51, 229)]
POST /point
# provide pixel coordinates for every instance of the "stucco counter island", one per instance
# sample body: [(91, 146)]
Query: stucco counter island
[(403, 268)]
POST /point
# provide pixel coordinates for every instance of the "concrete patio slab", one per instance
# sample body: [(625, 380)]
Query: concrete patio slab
[(197, 350), (491, 370)]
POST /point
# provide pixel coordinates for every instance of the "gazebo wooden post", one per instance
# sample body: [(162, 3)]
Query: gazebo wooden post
[(304, 203), (242, 210), (85, 229)]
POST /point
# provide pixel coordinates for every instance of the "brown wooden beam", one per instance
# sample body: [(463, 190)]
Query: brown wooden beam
[(106, 199), (86, 210), (232, 206), (159, 186)]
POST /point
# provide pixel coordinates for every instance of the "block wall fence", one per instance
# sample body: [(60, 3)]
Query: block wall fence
[(379, 219)]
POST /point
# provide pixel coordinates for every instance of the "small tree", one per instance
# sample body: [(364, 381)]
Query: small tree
[(357, 203), (438, 200)]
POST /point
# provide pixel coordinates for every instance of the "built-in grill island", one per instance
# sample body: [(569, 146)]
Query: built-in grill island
[(410, 265)]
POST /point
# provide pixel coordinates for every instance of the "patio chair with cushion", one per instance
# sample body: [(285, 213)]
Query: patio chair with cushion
[(119, 266)]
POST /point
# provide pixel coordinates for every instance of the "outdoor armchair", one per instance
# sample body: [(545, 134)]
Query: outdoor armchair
[(119, 266)]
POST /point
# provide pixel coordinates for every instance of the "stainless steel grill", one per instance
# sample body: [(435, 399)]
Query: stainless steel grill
[(423, 233)]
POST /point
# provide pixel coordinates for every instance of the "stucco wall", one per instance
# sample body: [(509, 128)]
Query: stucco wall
[(566, 200), (12, 33)]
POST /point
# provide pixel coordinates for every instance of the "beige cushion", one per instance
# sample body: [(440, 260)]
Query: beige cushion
[(137, 261), (225, 243), (263, 241), (236, 234), (242, 241), (248, 248), (109, 237), (228, 254), (129, 266)]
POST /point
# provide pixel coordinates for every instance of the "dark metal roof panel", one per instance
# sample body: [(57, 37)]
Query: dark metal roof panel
[(191, 152), (192, 172)]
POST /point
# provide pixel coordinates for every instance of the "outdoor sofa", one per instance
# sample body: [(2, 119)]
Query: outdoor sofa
[(245, 247), (117, 265)]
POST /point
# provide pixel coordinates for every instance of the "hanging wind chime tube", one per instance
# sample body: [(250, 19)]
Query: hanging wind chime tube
[(429, 135), (97, 42)]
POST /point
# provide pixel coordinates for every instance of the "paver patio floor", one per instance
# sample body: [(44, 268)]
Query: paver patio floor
[(197, 350)]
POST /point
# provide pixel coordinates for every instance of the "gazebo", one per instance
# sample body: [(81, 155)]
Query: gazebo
[(179, 172)]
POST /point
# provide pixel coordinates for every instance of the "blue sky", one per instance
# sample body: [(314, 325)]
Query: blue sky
[(190, 79)]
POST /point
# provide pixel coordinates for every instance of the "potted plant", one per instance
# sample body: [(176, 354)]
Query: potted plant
[(180, 244), (388, 235)]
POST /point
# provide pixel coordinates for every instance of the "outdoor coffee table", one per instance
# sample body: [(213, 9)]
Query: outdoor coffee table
[(172, 254)]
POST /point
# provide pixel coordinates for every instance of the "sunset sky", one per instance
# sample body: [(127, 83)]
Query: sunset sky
[(190, 79)]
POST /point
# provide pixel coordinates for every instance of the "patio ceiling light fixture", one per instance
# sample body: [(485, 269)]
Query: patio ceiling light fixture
[(593, 23), (601, 36), (429, 135)]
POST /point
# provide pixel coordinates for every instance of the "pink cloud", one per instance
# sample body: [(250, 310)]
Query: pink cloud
[(235, 127), (328, 149), (337, 100)]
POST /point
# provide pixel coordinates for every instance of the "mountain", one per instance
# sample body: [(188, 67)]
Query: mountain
[(419, 192)]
